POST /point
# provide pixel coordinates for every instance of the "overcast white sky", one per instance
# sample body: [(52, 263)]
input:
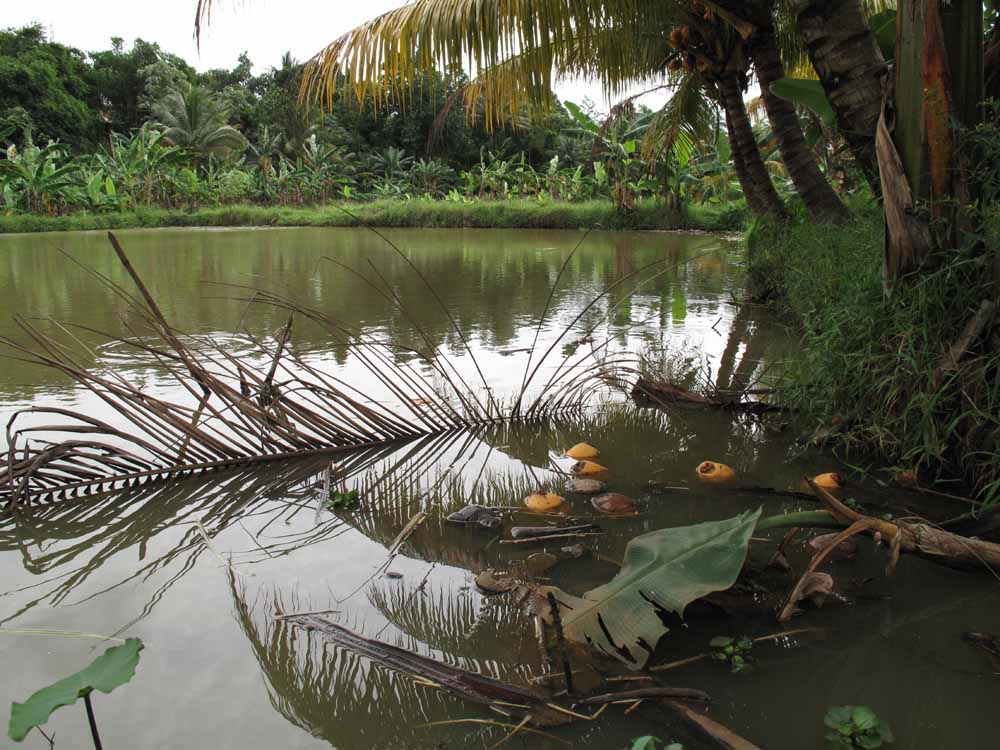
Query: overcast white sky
[(263, 28)]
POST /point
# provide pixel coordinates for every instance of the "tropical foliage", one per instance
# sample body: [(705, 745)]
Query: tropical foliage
[(154, 133)]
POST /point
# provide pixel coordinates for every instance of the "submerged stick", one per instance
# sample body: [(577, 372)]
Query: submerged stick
[(550, 537), (680, 694), (713, 730), (532, 532), (561, 642)]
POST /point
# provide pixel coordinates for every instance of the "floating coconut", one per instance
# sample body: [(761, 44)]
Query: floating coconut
[(614, 502), (583, 451), (542, 503), (829, 481), (584, 486), (715, 473), (587, 468)]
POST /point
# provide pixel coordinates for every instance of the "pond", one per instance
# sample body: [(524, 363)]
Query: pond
[(219, 670)]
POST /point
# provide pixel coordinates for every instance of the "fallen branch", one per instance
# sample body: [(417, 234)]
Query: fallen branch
[(930, 542), (663, 394), (702, 656)]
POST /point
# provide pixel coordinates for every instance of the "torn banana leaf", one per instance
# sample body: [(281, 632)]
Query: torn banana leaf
[(664, 571)]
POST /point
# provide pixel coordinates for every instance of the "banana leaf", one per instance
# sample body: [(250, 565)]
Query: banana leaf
[(807, 93), (663, 572)]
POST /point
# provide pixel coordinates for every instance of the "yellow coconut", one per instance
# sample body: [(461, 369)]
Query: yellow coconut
[(715, 473), (829, 481), (540, 502), (587, 468), (583, 452)]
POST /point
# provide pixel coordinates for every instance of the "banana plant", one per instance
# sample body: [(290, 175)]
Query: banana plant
[(139, 164), (39, 178)]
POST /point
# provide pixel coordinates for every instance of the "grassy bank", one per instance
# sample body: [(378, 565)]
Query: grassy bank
[(507, 214), (874, 365)]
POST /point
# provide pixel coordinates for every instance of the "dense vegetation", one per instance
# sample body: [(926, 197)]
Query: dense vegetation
[(127, 129)]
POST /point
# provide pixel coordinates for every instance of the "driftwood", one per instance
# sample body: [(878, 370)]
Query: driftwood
[(930, 542), (664, 394)]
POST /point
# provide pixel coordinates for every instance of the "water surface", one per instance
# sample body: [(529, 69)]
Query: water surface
[(220, 671)]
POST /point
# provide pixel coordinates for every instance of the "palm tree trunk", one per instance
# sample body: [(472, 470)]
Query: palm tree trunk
[(820, 200), (754, 179), (937, 92), (851, 68)]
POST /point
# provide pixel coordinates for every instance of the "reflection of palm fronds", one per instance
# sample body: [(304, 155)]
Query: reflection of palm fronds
[(98, 529), (237, 413), (456, 623), (331, 692)]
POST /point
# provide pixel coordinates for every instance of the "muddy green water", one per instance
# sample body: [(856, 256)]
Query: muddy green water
[(220, 672)]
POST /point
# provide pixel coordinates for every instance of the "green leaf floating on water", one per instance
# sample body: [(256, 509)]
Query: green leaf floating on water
[(112, 669), (665, 569)]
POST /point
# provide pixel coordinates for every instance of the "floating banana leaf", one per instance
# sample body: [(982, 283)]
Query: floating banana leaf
[(664, 571)]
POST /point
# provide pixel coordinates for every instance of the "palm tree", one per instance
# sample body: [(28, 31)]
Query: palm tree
[(846, 55), (815, 190), (198, 121), (712, 46)]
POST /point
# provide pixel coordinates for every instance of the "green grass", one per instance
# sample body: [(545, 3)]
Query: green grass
[(510, 214), (874, 361)]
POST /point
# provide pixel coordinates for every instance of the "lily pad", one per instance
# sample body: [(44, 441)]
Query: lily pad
[(110, 670)]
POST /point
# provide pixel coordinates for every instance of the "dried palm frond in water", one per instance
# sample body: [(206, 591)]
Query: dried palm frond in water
[(264, 405)]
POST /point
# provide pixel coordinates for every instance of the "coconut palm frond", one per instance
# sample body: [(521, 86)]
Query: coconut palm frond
[(526, 44), (266, 404), (686, 120), (756, 111), (196, 119)]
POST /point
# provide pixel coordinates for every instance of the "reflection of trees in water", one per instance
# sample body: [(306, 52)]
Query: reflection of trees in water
[(493, 282)]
